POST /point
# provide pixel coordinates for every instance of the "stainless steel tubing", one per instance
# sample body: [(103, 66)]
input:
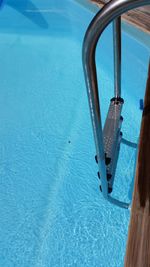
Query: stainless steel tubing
[(117, 56), (106, 15)]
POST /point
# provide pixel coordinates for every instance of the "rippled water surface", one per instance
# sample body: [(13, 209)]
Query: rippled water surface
[(51, 210)]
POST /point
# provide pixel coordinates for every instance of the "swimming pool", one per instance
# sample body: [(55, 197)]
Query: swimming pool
[(52, 212)]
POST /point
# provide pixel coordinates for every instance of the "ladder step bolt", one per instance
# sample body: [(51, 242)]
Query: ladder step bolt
[(107, 160), (96, 159), (98, 174), (121, 118), (109, 190)]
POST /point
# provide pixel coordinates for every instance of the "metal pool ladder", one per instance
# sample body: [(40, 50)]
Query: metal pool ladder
[(107, 140)]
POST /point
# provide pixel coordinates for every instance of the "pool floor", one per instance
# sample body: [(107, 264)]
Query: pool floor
[(52, 212)]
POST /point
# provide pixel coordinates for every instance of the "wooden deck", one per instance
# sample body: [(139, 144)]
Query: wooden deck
[(138, 245), (139, 17)]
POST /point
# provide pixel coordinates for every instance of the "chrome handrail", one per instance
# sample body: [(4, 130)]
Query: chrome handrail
[(110, 12), (117, 56)]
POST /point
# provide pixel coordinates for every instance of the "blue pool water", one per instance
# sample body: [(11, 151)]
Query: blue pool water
[(51, 211)]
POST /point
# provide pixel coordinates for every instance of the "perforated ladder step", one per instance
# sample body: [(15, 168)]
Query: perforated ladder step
[(112, 137)]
